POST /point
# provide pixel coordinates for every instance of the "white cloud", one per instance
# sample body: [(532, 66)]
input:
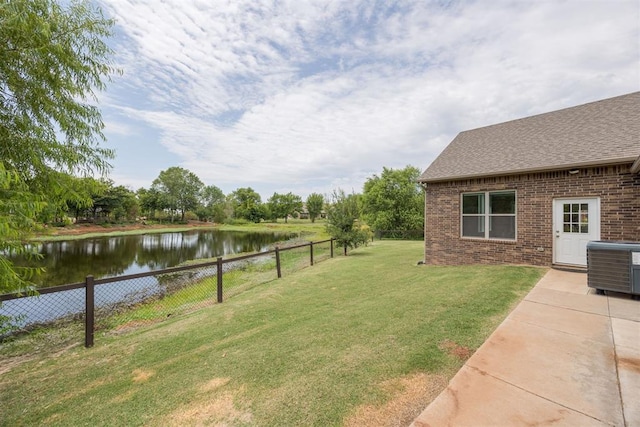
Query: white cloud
[(306, 96)]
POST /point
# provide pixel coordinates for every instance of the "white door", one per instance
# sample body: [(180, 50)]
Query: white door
[(575, 223)]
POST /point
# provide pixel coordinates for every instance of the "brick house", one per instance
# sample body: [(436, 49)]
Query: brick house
[(536, 190)]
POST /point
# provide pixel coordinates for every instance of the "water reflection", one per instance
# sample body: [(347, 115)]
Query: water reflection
[(71, 261)]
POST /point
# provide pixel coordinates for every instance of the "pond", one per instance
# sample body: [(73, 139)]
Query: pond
[(68, 262), (72, 260)]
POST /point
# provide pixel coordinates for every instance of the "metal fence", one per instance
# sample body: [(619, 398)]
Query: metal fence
[(119, 304)]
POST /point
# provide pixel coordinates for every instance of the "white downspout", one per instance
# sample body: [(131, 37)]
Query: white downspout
[(424, 220)]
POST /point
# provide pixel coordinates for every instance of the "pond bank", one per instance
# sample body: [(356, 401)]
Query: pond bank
[(83, 231), (307, 229)]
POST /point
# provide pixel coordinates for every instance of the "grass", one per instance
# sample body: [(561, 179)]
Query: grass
[(182, 294), (113, 233), (328, 345), (307, 229), (237, 278)]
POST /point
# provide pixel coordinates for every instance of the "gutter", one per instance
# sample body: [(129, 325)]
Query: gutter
[(635, 167), (424, 223)]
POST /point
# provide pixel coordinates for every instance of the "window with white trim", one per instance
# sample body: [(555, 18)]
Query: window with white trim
[(489, 215)]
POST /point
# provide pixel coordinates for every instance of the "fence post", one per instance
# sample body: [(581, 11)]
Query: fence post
[(332, 247), (219, 277), (89, 311), (311, 251), (278, 262)]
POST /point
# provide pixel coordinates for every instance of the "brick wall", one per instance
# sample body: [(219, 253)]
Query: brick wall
[(617, 188)]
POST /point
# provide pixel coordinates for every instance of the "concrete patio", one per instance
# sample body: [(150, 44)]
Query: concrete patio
[(564, 357)]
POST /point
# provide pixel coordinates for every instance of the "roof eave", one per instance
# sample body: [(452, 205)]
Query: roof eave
[(635, 168)]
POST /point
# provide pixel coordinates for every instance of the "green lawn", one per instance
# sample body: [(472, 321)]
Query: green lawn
[(352, 340), (308, 230)]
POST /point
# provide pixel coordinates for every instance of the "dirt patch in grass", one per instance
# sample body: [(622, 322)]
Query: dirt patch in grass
[(454, 349), (55, 418), (12, 362), (140, 375), (409, 396), (214, 384), (219, 411), (133, 325), (212, 407), (124, 397)]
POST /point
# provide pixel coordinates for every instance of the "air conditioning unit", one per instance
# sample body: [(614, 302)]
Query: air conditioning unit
[(614, 266)]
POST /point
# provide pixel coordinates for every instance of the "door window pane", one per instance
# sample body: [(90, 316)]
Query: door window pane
[(575, 218)]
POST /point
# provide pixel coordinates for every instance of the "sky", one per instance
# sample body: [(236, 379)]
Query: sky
[(311, 96)]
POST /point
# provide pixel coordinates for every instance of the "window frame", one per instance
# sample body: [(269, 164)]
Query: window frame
[(487, 215)]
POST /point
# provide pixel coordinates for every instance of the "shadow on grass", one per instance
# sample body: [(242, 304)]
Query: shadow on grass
[(357, 254)]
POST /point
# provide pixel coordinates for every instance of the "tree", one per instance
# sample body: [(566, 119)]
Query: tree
[(180, 189), (72, 197), (52, 59), (283, 205), (394, 200), (212, 204), (128, 207), (342, 220), (116, 203), (315, 204), (18, 208), (97, 192), (150, 201), (247, 204)]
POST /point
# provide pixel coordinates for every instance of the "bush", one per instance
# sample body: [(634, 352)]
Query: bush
[(190, 216)]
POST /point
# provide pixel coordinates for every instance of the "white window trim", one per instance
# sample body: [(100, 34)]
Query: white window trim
[(487, 216)]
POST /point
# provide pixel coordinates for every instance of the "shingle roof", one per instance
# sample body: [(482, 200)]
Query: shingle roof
[(597, 133)]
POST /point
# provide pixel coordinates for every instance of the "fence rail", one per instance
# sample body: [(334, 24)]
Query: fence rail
[(122, 302)]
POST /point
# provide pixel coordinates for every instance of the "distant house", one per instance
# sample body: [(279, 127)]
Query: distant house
[(304, 213), (536, 190)]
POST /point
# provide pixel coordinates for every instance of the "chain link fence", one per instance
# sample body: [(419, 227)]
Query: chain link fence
[(126, 304), (55, 317), (119, 304), (243, 273)]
